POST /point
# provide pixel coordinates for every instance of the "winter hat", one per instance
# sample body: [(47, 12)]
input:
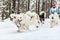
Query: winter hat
[(53, 5)]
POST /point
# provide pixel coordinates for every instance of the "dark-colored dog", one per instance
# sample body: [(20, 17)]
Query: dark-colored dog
[(42, 18)]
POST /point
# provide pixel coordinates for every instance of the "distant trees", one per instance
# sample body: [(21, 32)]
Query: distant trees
[(18, 6)]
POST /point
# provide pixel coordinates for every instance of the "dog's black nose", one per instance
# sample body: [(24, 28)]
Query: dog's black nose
[(52, 17)]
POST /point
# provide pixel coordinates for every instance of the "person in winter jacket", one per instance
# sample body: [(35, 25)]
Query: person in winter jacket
[(54, 9)]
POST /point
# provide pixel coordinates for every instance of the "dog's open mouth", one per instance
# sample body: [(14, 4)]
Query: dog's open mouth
[(11, 19)]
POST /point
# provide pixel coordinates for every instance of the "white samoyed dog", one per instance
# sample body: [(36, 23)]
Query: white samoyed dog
[(54, 18)]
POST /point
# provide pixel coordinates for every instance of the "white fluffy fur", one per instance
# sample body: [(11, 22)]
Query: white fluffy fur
[(24, 24), (26, 20), (55, 20), (35, 18)]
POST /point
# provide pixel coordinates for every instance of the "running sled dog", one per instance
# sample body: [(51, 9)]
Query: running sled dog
[(54, 18), (42, 16), (23, 21)]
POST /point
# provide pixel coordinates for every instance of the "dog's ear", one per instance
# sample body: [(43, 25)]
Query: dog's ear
[(14, 17)]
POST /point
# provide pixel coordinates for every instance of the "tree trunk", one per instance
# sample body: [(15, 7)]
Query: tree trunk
[(9, 3), (18, 6), (38, 7), (14, 4), (28, 4)]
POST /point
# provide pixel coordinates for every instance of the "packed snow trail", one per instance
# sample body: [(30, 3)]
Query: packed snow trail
[(8, 32)]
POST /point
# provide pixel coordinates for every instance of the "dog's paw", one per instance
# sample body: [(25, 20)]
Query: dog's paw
[(18, 31), (51, 27)]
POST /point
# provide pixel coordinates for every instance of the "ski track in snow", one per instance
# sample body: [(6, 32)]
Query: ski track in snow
[(8, 32)]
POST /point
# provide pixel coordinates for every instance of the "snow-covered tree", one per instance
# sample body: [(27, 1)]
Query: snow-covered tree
[(21, 6), (4, 8)]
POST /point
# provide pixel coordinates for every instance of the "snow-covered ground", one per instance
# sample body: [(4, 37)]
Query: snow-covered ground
[(8, 32)]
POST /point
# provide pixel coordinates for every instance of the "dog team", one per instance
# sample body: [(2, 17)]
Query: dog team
[(25, 20)]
